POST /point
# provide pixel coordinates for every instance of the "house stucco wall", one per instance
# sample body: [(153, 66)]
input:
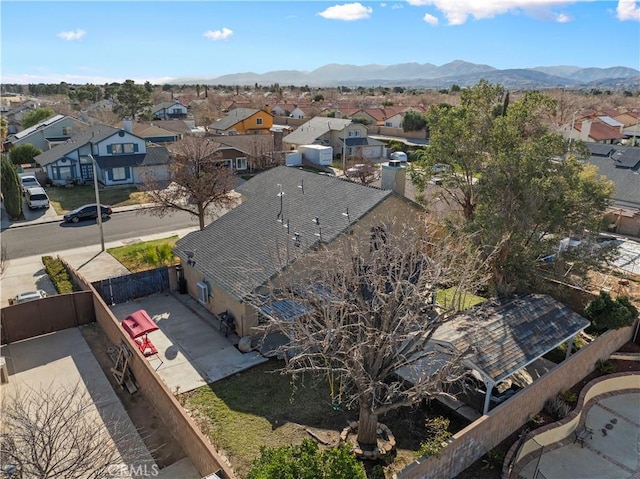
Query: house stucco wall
[(391, 212)]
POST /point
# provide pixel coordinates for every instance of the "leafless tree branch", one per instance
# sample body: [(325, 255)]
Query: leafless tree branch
[(55, 433)]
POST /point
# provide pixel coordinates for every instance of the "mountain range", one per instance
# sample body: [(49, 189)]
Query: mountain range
[(428, 75)]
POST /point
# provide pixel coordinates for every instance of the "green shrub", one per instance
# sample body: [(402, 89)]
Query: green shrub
[(492, 459), (557, 407), (150, 255), (606, 313), (536, 420), (604, 366), (307, 461), (437, 429), (157, 255), (569, 397), (165, 253), (59, 275)]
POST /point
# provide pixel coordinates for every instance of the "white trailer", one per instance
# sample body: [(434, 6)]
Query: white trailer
[(317, 154)]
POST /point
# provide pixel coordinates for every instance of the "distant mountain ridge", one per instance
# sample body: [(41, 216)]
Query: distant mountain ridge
[(428, 75)]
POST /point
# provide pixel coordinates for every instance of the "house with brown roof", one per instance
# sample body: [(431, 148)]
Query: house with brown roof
[(251, 153), (593, 130)]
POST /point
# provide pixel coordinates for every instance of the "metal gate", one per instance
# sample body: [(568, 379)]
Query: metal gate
[(121, 289)]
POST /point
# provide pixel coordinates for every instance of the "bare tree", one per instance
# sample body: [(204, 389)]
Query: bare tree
[(53, 433), (200, 181), (362, 169), (366, 309)]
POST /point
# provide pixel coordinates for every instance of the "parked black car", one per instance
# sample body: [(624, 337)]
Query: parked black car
[(87, 212)]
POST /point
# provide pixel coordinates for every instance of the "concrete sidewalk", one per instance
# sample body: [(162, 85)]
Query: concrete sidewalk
[(27, 274)]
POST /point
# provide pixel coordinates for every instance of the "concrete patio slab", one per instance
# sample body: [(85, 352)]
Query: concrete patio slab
[(193, 351), (182, 469), (611, 453), (62, 360)]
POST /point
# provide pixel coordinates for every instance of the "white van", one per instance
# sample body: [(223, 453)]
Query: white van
[(37, 198)]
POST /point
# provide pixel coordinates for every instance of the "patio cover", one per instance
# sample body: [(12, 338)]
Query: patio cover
[(138, 324), (502, 337)]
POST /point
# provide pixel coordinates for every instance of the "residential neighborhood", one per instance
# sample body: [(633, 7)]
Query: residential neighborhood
[(308, 263)]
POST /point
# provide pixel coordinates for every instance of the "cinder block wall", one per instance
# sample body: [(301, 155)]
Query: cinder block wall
[(202, 454), (475, 440)]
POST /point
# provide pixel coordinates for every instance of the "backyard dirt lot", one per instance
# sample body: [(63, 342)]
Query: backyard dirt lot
[(162, 446)]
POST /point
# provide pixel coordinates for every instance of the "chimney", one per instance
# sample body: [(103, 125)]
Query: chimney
[(127, 124), (585, 130), (278, 134), (393, 177)]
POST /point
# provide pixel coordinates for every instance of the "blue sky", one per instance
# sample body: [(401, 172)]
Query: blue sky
[(98, 42)]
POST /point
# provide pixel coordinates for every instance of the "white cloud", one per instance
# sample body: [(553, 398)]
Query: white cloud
[(72, 35), (223, 34), (348, 12), (628, 10), (563, 18), (458, 11), (396, 6), (430, 19)]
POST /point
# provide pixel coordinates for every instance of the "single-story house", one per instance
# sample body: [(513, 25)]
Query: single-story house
[(122, 158), (595, 131), (285, 213)]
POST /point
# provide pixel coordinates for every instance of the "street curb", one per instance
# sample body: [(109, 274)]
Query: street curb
[(60, 218)]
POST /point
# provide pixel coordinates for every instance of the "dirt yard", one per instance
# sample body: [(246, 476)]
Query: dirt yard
[(162, 446)]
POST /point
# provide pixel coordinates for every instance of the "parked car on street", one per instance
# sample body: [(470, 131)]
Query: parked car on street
[(29, 181), (28, 296), (87, 212)]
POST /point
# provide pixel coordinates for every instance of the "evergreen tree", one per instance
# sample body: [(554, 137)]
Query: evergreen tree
[(11, 192)]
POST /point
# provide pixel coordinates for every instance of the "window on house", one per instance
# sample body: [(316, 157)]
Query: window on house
[(64, 172), (259, 121), (176, 111), (66, 130), (241, 163), (388, 123), (119, 174), (122, 148)]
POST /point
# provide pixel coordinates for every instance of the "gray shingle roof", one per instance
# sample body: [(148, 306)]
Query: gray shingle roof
[(250, 144), (233, 117), (504, 337), (314, 129), (626, 180), (600, 149), (92, 134), (156, 155), (242, 249)]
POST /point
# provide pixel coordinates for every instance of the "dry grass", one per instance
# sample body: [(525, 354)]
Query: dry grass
[(65, 199)]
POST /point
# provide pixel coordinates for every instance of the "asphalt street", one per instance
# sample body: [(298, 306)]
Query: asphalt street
[(51, 237)]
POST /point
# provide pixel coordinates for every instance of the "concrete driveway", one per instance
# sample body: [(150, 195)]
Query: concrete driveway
[(192, 351)]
